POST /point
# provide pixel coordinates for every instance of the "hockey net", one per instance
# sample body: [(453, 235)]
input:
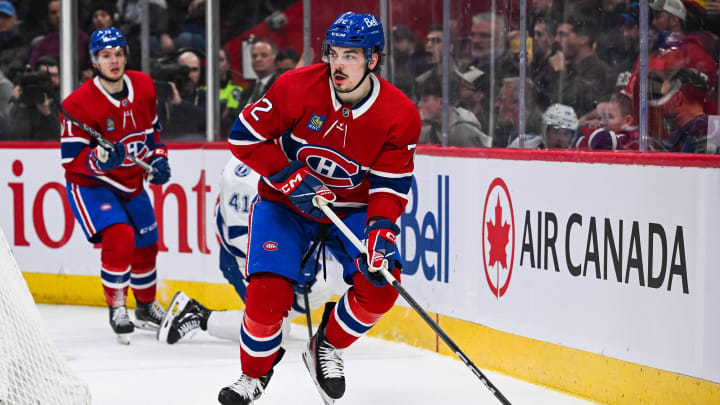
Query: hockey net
[(32, 370)]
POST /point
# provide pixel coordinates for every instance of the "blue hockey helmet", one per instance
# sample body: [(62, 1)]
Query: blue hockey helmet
[(352, 30), (106, 38)]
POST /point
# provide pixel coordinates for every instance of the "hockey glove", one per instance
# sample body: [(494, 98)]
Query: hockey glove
[(301, 186), (380, 243), (101, 160), (161, 175)]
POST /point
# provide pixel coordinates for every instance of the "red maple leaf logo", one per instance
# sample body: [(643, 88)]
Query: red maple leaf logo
[(498, 236)]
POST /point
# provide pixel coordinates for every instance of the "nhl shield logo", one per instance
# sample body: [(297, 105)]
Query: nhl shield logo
[(316, 122), (346, 112)]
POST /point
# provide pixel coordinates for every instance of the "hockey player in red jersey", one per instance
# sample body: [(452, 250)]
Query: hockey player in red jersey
[(336, 130), (105, 187)]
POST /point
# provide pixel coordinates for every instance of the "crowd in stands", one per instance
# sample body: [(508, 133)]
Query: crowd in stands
[(581, 89)]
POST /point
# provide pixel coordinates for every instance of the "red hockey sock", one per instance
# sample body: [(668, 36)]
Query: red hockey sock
[(358, 310), (143, 279), (269, 298), (118, 244)]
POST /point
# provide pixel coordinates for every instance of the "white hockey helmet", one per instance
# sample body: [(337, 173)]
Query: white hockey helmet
[(560, 116)]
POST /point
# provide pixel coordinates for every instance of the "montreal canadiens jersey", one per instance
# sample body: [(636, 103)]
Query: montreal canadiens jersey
[(132, 121), (363, 153)]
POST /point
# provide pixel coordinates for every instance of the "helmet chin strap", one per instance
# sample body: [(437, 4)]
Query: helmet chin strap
[(365, 75)]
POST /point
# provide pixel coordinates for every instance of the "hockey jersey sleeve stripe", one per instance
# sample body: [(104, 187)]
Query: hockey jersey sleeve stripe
[(390, 175), (69, 150), (388, 191), (400, 185), (243, 131)]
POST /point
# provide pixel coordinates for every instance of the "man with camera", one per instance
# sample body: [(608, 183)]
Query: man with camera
[(35, 115), (181, 98)]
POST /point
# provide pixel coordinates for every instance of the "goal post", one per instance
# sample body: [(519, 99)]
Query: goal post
[(32, 370)]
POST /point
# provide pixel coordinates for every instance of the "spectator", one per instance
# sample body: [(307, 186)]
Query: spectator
[(472, 90), (559, 123), (631, 37), (102, 15), (287, 59), (230, 95), (408, 63), (52, 67), (434, 54), (14, 47), (540, 69), (49, 45), (35, 115), (682, 98), (489, 45), (183, 115), (129, 20), (464, 129), (509, 112), (580, 78), (615, 114), (263, 53), (6, 95)]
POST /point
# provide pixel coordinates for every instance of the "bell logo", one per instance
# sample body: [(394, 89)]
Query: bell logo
[(498, 237)]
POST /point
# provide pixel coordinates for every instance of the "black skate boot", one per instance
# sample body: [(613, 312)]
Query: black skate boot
[(325, 363), (247, 389), (149, 316), (121, 324), (184, 317)]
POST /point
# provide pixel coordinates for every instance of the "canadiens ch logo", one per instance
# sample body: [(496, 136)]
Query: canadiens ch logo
[(334, 169), (498, 237), (135, 145), (109, 124), (270, 245), (316, 122)]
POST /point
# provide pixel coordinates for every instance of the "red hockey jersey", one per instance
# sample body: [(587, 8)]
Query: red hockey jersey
[(364, 153), (132, 120)]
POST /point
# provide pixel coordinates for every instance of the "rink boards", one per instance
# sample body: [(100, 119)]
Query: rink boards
[(589, 273)]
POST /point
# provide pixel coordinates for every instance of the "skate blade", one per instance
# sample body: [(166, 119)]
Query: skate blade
[(178, 302), (123, 338), (311, 369), (146, 325)]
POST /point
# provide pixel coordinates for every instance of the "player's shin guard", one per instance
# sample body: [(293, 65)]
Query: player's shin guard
[(144, 275), (269, 297), (118, 245), (358, 310)]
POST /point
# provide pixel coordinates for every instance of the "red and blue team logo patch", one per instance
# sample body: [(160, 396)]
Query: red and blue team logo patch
[(316, 122), (135, 144), (334, 169), (270, 245), (106, 207), (109, 124)]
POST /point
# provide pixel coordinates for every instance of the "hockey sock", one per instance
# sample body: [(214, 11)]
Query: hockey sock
[(225, 324), (358, 310), (118, 244), (269, 297), (144, 275)]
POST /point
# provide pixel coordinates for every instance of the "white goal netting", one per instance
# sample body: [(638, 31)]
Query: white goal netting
[(32, 370)]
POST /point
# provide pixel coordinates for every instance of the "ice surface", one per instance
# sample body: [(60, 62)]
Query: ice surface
[(192, 372)]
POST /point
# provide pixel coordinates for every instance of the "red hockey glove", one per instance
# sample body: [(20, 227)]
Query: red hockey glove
[(380, 242), (301, 186)]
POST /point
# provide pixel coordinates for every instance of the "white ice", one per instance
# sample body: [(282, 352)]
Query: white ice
[(192, 372)]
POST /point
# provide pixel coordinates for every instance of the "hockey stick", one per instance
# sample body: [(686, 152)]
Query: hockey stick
[(323, 205), (104, 142)]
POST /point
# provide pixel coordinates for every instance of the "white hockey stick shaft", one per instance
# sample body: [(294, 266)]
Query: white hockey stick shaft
[(106, 143), (323, 204)]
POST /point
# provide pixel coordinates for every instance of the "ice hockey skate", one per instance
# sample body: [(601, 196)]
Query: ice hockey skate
[(325, 363), (184, 317), (149, 316), (121, 324), (247, 389)]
